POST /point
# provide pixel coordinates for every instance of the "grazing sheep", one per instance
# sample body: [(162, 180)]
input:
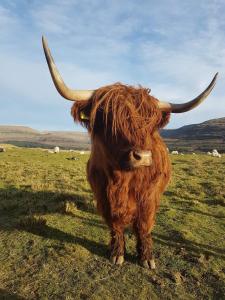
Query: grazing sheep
[(56, 150), (175, 152), (215, 153), (2, 149)]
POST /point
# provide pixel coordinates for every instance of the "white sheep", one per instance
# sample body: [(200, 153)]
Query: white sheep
[(215, 153), (56, 150), (175, 152)]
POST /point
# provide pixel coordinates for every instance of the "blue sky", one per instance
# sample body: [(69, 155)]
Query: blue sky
[(173, 47)]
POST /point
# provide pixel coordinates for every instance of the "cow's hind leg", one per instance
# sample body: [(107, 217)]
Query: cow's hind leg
[(143, 229), (117, 244)]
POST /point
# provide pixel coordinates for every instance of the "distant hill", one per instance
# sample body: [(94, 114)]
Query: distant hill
[(28, 137), (210, 129), (196, 137)]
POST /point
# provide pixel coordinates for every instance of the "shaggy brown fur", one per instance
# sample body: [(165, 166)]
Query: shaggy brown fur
[(124, 118)]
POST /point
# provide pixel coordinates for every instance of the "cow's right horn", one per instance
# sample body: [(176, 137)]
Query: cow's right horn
[(72, 95), (183, 107)]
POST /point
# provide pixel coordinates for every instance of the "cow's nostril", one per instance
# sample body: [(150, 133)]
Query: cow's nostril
[(136, 155)]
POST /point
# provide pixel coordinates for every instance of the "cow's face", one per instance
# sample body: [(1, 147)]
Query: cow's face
[(124, 119)]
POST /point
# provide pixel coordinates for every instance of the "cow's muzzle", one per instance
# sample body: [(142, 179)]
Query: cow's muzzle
[(139, 158)]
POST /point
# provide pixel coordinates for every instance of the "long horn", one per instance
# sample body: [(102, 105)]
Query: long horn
[(180, 108), (61, 87)]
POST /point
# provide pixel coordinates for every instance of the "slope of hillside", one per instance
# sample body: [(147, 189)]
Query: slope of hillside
[(196, 137), (28, 137), (16, 130), (210, 129)]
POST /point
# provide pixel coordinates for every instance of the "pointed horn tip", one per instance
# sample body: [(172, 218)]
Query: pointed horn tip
[(179, 108), (213, 82), (44, 41), (215, 77)]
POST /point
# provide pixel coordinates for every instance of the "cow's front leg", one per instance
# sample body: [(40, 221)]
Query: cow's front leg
[(117, 244), (144, 248), (144, 245)]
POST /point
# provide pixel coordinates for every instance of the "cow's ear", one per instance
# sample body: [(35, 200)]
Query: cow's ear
[(165, 118), (81, 112)]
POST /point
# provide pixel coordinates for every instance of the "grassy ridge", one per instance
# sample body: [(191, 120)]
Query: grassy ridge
[(54, 246)]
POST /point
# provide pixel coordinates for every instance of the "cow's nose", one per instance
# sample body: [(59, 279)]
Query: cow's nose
[(140, 158)]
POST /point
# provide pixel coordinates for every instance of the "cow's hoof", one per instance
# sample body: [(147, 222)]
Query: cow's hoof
[(149, 264), (117, 260)]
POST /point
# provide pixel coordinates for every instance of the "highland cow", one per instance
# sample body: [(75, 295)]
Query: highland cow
[(129, 166)]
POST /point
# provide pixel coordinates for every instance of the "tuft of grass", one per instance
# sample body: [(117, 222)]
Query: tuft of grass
[(69, 207), (31, 222), (53, 245)]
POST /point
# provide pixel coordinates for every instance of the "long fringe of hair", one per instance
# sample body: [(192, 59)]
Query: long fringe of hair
[(124, 109)]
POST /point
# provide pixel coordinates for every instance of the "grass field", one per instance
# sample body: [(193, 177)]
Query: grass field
[(53, 245)]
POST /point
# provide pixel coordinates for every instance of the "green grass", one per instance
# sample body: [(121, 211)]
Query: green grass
[(53, 245)]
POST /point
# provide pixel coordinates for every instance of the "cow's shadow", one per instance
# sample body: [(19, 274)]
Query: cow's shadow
[(49, 232), (193, 248), (5, 295), (23, 204), (24, 201)]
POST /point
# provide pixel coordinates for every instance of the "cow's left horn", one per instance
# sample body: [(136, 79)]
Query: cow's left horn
[(180, 108), (61, 87)]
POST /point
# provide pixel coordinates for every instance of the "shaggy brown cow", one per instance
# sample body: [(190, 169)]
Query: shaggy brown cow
[(129, 166)]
